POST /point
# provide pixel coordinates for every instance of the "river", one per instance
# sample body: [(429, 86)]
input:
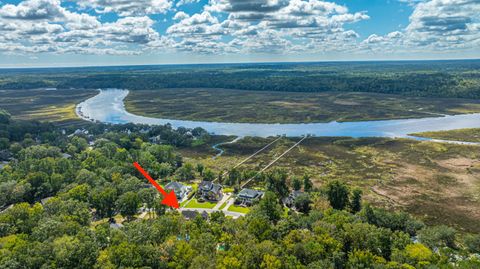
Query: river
[(108, 107)]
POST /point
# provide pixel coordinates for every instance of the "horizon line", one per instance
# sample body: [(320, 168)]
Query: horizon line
[(237, 63)]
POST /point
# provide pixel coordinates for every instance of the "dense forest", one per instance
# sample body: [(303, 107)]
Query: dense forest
[(65, 192), (416, 78)]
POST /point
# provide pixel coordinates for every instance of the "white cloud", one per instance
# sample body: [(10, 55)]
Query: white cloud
[(126, 8), (35, 26)]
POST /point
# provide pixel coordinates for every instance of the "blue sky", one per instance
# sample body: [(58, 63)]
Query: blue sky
[(117, 32)]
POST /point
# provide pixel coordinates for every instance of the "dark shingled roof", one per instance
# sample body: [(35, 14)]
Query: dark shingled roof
[(250, 193)]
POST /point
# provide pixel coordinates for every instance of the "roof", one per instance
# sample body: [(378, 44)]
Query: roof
[(250, 193), (177, 187), (191, 214), (295, 194), (205, 185), (216, 188)]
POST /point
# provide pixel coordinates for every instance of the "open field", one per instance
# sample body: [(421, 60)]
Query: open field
[(439, 183), (288, 107), (470, 135), (57, 106)]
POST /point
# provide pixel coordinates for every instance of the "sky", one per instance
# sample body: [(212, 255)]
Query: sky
[(35, 33)]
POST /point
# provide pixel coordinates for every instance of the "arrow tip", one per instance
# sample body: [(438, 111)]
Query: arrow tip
[(171, 200)]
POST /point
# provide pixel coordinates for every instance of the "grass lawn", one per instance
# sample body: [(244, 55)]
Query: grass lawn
[(195, 204), (226, 190), (182, 204), (239, 209)]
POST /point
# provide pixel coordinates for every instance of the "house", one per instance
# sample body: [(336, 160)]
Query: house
[(191, 214), (248, 197), (207, 190), (290, 200), (181, 191)]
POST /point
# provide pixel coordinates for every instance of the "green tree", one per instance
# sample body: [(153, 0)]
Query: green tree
[(438, 236), (103, 199), (128, 204), (307, 184), (200, 169), (186, 172), (296, 183), (4, 117), (303, 203), (276, 182), (208, 175), (337, 193), (356, 203), (269, 207)]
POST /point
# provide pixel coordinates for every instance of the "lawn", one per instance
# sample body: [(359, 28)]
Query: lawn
[(239, 209), (195, 204), (228, 190), (227, 105)]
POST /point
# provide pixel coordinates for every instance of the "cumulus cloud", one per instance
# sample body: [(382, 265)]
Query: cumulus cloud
[(268, 25), (445, 23), (36, 26), (228, 27), (128, 7)]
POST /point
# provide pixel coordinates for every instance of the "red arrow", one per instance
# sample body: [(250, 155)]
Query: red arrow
[(170, 199)]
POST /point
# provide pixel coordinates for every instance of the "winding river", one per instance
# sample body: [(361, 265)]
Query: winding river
[(108, 107)]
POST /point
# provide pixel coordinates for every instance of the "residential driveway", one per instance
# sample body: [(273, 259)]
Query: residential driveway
[(224, 199)]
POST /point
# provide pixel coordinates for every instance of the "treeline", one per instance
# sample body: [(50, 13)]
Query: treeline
[(427, 79)]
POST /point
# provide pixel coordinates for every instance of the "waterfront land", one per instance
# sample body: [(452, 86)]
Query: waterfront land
[(223, 105)]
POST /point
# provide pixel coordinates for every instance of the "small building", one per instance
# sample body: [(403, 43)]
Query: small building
[(292, 197), (66, 156), (181, 191), (115, 225), (207, 190), (248, 197)]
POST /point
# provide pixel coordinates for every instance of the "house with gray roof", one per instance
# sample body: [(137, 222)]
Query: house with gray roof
[(248, 197), (209, 191), (292, 197), (181, 191)]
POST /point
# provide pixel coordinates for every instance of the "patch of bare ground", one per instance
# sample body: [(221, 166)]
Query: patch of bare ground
[(448, 195)]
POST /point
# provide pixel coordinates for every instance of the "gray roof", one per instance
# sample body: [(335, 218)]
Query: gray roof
[(205, 185), (250, 193), (295, 194), (191, 214), (175, 186)]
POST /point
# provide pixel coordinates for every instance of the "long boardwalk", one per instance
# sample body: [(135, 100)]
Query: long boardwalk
[(251, 156), (273, 162)]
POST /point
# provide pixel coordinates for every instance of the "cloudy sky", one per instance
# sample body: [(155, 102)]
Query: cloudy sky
[(114, 32)]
